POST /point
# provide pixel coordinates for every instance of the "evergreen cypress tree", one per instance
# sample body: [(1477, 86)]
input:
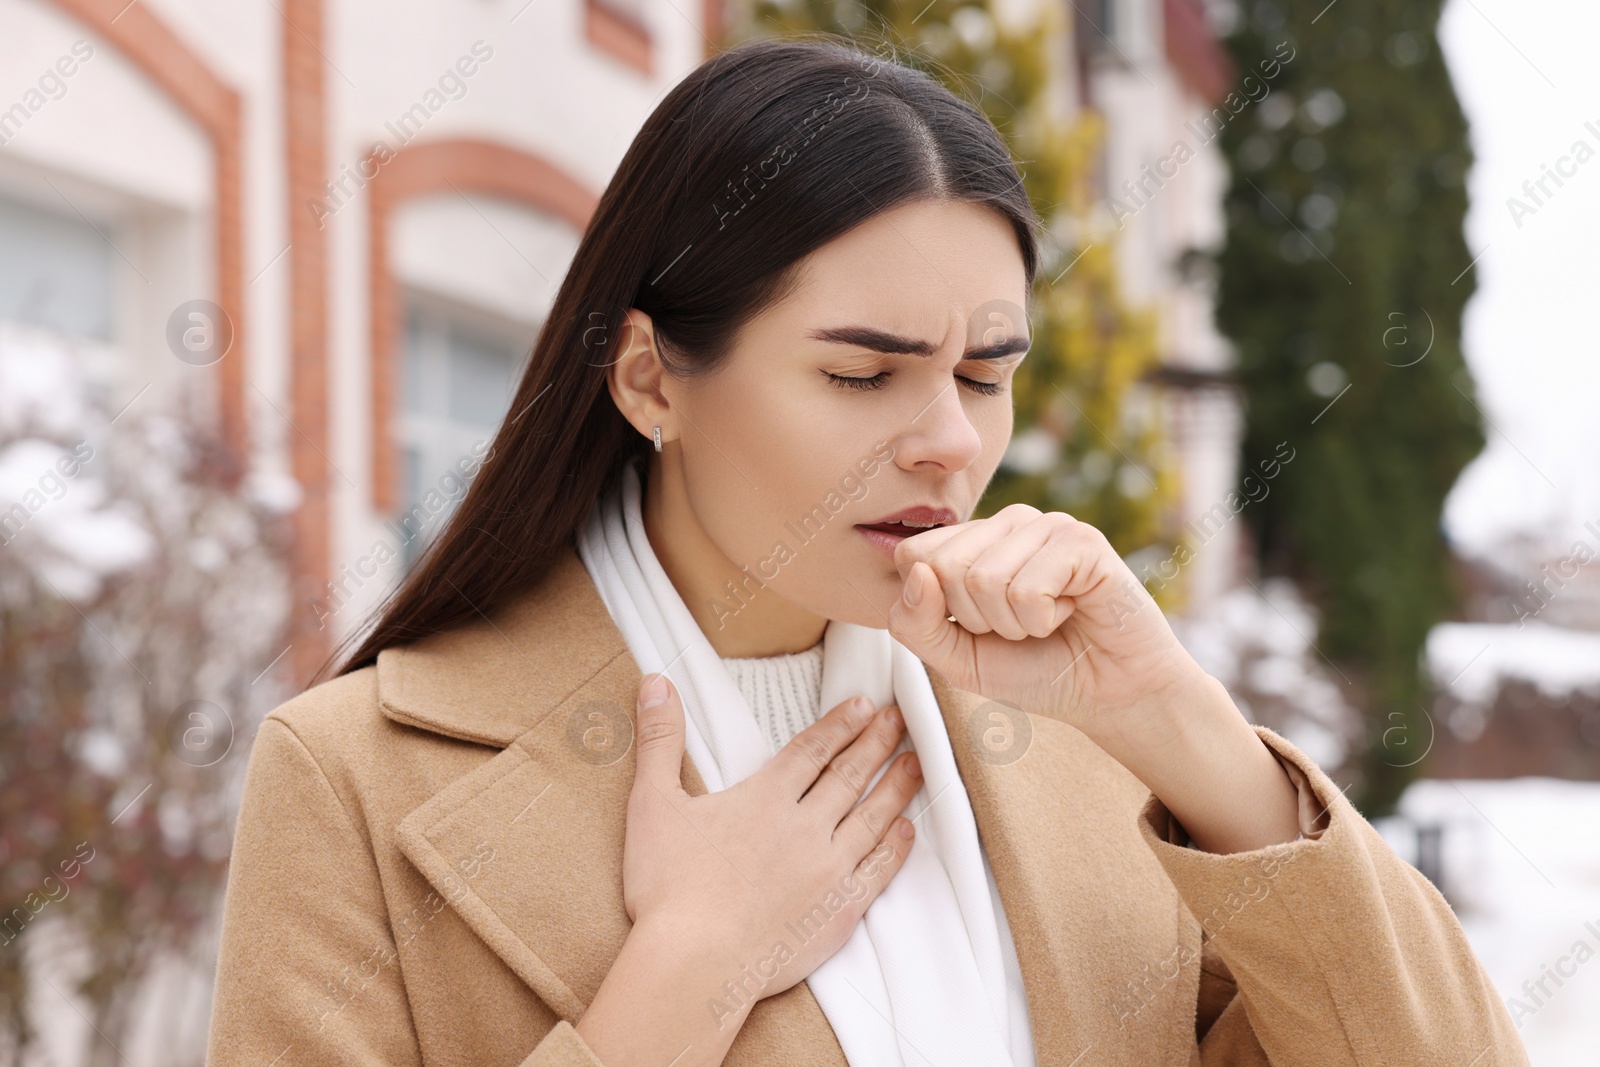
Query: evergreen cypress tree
[(1342, 285)]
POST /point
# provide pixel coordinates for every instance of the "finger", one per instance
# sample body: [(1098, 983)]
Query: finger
[(1019, 600), (952, 559), (923, 545), (1070, 565), (847, 775), (924, 626), (659, 755), (865, 824), (884, 861), (798, 764)]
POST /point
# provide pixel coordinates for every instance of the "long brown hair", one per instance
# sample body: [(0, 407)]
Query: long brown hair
[(760, 156)]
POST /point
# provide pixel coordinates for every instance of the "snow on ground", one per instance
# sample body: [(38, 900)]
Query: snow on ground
[(1521, 865)]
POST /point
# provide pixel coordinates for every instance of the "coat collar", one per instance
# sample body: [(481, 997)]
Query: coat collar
[(491, 680), (550, 682)]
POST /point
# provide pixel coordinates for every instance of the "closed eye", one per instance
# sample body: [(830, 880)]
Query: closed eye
[(879, 380)]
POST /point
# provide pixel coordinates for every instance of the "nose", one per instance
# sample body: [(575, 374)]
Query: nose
[(941, 434)]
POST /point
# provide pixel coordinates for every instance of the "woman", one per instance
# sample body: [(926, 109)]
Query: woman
[(1027, 830)]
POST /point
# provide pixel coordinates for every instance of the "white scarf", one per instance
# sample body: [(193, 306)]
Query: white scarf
[(933, 954)]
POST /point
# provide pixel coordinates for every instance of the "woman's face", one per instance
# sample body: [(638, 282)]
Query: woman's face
[(853, 399)]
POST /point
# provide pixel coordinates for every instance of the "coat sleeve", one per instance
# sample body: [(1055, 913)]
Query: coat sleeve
[(1330, 950), (307, 971)]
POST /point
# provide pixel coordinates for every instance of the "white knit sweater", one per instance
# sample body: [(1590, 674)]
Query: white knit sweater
[(785, 691)]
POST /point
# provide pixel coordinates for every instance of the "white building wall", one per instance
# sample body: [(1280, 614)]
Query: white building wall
[(1165, 185), (542, 89), (110, 150)]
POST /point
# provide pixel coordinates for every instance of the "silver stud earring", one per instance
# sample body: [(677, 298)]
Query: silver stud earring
[(658, 439)]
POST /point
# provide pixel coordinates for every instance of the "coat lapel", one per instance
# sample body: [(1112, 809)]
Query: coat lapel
[(550, 682)]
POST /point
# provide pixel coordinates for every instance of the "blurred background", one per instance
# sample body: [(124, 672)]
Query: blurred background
[(1314, 344)]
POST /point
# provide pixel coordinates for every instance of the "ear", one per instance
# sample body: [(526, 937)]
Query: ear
[(635, 377)]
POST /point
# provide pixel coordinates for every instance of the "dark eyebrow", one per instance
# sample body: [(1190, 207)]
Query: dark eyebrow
[(895, 345)]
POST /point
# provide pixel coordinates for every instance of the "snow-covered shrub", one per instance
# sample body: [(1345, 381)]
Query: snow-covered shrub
[(143, 596)]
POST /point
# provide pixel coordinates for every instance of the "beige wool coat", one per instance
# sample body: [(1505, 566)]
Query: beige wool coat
[(428, 870)]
